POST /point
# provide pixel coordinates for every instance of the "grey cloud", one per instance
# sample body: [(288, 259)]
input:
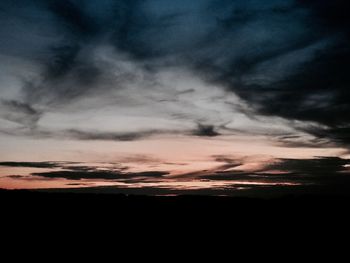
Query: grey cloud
[(206, 131), (83, 135), (109, 136), (19, 112), (285, 58), (97, 135)]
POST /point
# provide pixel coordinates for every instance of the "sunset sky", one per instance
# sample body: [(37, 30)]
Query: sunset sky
[(168, 97)]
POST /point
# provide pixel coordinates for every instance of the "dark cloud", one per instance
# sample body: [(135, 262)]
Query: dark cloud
[(19, 112), (72, 16), (109, 136), (102, 175), (95, 135), (79, 171), (315, 89), (317, 167), (89, 135), (206, 131), (339, 134), (321, 170), (296, 141), (31, 164), (332, 14), (286, 58), (314, 175)]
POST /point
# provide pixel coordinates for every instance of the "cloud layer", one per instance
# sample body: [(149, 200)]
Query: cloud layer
[(205, 68), (234, 176)]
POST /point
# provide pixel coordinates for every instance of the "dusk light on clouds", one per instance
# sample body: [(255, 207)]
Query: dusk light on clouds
[(213, 97)]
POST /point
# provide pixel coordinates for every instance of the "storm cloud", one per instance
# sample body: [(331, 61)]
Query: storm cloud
[(321, 171), (98, 175), (285, 59)]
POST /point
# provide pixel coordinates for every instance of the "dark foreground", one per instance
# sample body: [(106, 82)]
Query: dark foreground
[(114, 215), (21, 201)]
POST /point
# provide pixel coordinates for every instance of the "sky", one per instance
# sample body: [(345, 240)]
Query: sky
[(168, 97)]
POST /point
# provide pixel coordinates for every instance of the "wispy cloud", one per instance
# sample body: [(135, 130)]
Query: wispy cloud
[(19, 112), (154, 77), (298, 71)]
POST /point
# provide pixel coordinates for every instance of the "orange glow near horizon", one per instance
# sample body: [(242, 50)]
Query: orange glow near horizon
[(188, 160), (185, 163)]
